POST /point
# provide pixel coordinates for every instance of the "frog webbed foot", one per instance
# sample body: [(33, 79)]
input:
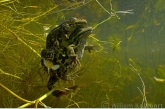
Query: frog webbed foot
[(75, 61), (90, 48), (59, 93), (73, 57)]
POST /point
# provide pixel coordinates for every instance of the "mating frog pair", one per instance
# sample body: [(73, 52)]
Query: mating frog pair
[(65, 46)]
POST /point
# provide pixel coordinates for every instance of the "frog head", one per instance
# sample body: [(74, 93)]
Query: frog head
[(73, 23), (63, 31), (80, 33)]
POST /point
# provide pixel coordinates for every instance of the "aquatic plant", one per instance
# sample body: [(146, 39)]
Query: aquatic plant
[(103, 75), (22, 32)]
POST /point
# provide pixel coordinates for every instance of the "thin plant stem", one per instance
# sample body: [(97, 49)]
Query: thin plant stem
[(104, 8), (111, 14), (21, 40), (74, 103), (144, 101), (11, 92), (102, 22), (5, 46), (39, 99), (34, 18), (2, 72)]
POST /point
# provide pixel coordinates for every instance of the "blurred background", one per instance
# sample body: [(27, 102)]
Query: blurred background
[(127, 69)]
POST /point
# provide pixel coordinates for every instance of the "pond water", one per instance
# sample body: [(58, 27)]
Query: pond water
[(126, 67)]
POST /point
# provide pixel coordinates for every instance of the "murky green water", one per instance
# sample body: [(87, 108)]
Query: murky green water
[(127, 69)]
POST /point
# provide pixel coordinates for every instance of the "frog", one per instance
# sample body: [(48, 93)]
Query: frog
[(74, 52), (80, 39), (47, 60), (57, 39), (77, 44), (73, 57), (62, 32), (65, 46), (90, 48)]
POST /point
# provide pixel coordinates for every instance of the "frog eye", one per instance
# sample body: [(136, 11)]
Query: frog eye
[(73, 19), (71, 25)]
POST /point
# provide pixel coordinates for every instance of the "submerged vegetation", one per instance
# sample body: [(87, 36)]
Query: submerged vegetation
[(125, 69)]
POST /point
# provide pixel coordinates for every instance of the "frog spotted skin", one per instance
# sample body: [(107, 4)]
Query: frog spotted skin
[(74, 53), (81, 38), (63, 31), (65, 46)]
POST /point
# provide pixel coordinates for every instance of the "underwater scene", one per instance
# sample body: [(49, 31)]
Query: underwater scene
[(82, 53)]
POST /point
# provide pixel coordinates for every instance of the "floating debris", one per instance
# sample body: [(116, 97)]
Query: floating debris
[(159, 79), (46, 28), (4, 1), (31, 7)]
